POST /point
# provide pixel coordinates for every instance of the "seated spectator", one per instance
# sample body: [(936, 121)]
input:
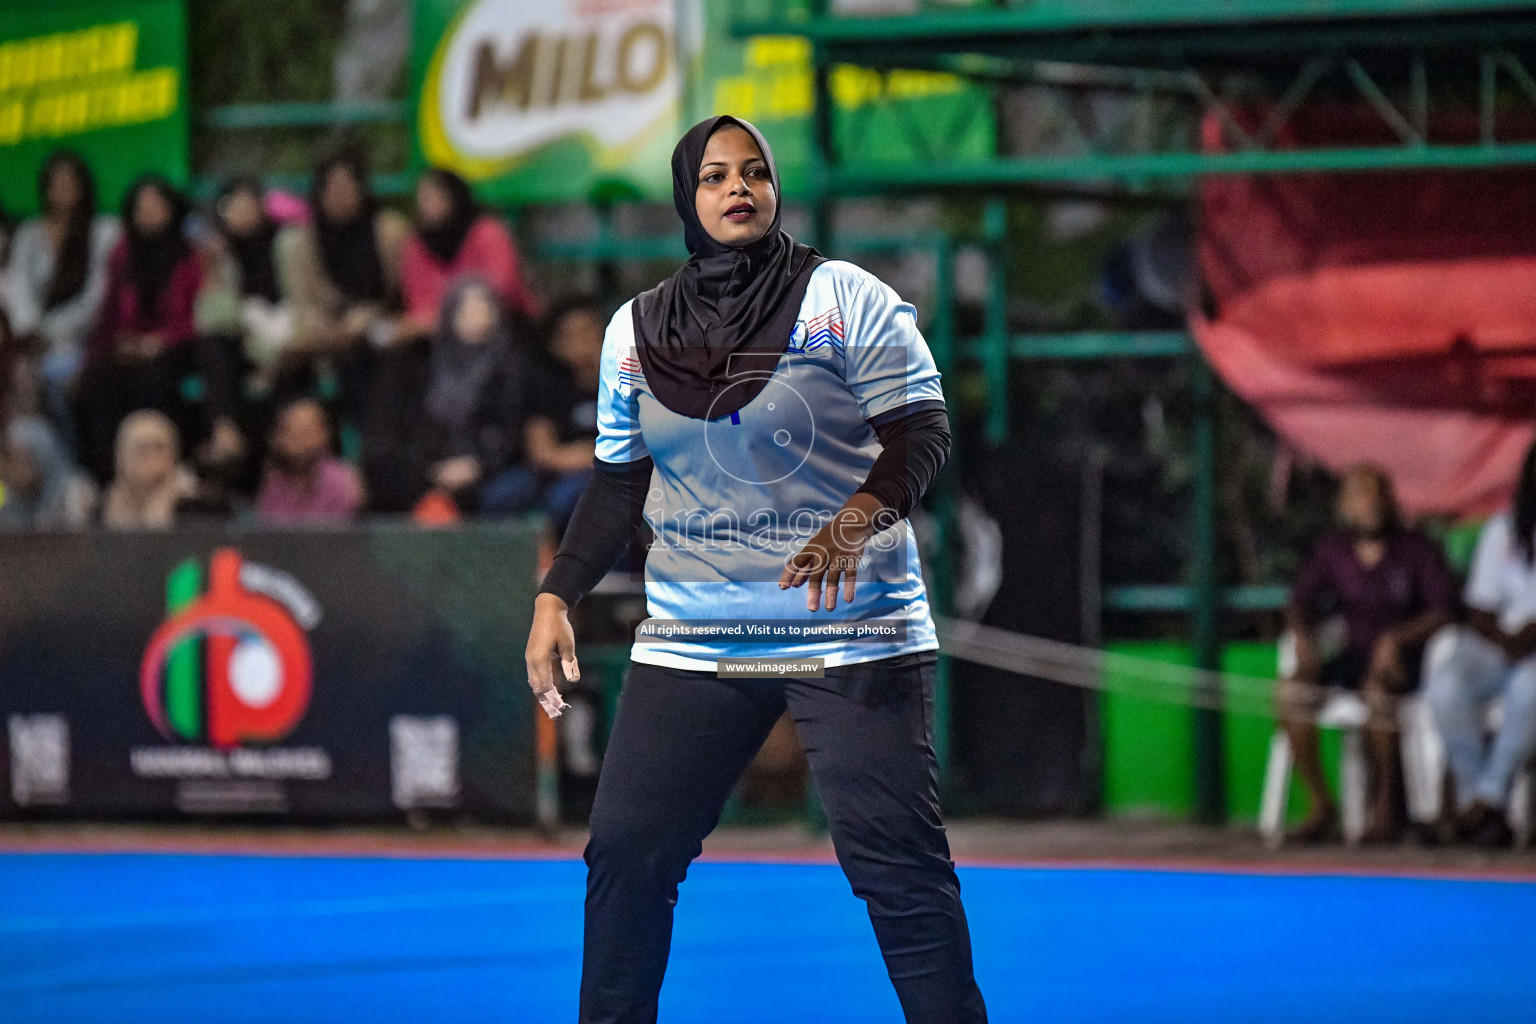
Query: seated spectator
[(454, 237), (250, 239), (305, 484), (560, 438), (342, 272), (1491, 657), (479, 375), (1393, 589), (150, 485), (56, 281), (145, 344), (43, 489)]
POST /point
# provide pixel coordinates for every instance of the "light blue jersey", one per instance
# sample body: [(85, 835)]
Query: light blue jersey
[(731, 499)]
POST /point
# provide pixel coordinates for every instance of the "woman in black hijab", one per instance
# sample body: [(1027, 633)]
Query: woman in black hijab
[(454, 212), (344, 208), (54, 282), (344, 270), (146, 340), (251, 235), (157, 243), (760, 388)]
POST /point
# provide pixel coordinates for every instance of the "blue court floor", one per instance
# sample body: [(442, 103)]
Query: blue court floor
[(105, 938)]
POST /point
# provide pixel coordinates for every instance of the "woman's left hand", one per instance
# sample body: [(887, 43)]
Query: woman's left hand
[(832, 556)]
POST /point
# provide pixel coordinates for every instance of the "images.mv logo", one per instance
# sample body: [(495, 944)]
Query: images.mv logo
[(232, 663)]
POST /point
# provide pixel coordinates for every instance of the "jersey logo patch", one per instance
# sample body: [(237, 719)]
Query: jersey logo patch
[(825, 329), (818, 332), (630, 374)]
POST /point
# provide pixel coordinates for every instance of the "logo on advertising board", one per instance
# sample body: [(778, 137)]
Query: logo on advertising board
[(227, 676), (510, 77)]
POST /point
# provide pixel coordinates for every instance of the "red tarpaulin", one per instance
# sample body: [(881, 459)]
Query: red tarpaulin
[(1388, 317)]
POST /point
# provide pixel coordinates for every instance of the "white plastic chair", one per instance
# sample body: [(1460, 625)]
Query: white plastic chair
[(1423, 757)]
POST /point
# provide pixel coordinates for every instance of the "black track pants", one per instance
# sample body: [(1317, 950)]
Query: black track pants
[(681, 740)]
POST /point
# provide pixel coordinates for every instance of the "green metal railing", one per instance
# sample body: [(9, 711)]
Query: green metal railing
[(249, 116), (258, 116)]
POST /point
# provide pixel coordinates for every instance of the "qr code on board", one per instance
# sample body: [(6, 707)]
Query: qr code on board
[(39, 759), (424, 761)]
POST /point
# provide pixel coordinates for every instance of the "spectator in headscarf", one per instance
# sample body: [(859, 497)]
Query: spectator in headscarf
[(343, 272), (145, 343), (57, 278), (479, 375), (251, 243), (305, 483), (43, 489), (150, 484), (455, 237)]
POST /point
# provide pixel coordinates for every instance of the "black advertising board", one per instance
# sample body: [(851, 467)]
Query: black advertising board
[(317, 674)]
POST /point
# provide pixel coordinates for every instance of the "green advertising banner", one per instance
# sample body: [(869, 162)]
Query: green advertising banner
[(540, 101), (900, 116), (548, 100), (105, 78)]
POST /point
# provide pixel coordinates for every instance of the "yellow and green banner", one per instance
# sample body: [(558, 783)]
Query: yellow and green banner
[(540, 101), (548, 100), (106, 78), (902, 116)]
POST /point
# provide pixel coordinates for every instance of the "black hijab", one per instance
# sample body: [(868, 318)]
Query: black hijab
[(727, 315), (253, 252), (152, 258), (73, 264), (446, 239), (349, 250)]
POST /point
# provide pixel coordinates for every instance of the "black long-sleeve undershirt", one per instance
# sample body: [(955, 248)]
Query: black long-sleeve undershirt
[(914, 447), (915, 444)]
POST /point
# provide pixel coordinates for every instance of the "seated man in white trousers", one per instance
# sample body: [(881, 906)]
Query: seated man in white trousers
[(1492, 656)]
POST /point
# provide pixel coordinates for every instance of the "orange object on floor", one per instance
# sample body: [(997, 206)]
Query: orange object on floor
[(436, 509)]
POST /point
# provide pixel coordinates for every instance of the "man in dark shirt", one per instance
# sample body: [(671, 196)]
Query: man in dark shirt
[(1393, 589)]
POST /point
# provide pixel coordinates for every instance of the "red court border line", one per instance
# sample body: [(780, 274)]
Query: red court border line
[(282, 846)]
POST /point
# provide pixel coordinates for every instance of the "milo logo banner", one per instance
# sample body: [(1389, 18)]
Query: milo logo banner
[(106, 78), (541, 101), (328, 675), (548, 100)]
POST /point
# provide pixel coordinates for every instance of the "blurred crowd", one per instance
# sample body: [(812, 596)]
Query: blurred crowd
[(283, 359)]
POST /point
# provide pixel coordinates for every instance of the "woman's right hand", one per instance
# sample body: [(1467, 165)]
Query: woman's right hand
[(551, 640)]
